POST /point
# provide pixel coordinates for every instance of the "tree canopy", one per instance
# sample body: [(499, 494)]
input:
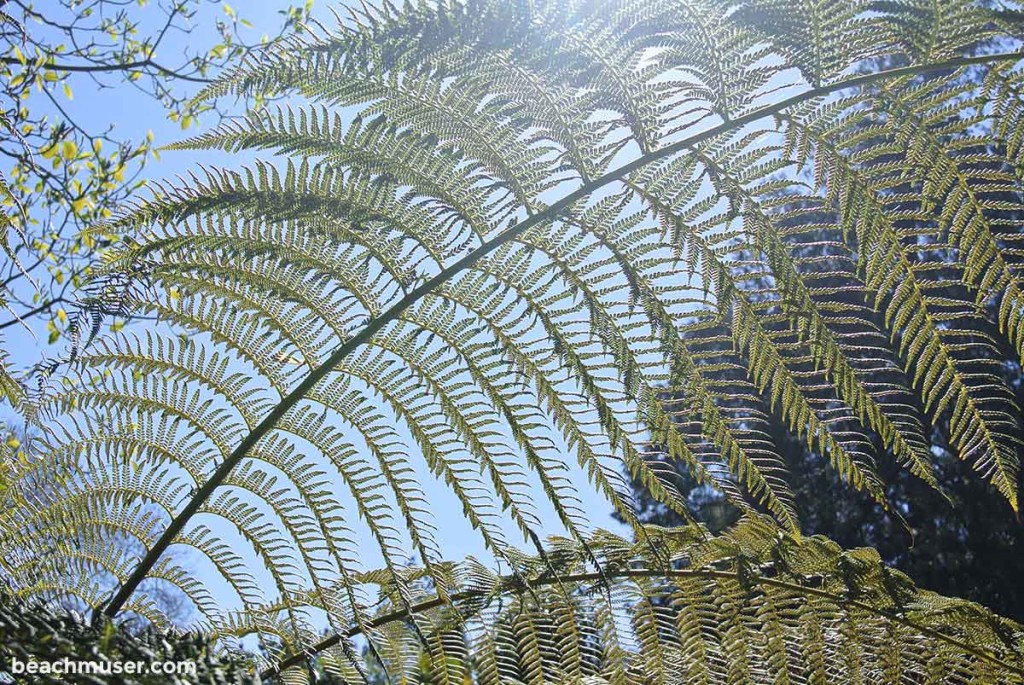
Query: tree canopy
[(61, 169)]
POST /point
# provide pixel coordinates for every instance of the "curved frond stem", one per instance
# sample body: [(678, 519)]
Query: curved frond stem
[(552, 212)]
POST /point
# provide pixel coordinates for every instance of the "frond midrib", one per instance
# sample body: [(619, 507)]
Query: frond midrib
[(551, 212)]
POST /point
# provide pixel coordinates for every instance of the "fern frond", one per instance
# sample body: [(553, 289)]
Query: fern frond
[(749, 606), (513, 246)]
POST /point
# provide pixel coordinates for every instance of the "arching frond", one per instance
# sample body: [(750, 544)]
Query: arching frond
[(749, 606)]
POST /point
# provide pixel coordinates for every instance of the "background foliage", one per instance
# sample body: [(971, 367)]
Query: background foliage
[(32, 631)]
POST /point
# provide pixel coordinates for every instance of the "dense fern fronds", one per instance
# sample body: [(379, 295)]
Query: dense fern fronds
[(501, 245), (749, 606)]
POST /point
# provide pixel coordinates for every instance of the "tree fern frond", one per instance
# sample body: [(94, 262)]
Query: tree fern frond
[(442, 272), (749, 605), (891, 276)]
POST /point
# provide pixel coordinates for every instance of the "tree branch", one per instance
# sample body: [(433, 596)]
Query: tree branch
[(32, 312), (124, 66)]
